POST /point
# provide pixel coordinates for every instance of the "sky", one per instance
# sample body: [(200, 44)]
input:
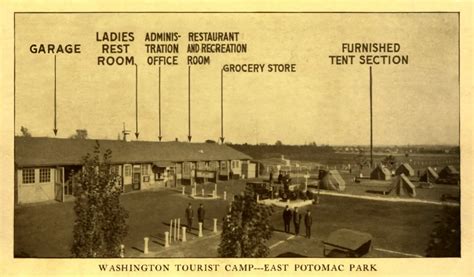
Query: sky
[(415, 103)]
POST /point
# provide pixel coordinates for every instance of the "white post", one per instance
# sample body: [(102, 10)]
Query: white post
[(200, 229), (214, 194), (288, 201), (167, 243), (193, 192), (183, 192), (258, 198), (145, 247), (122, 251), (184, 233), (215, 188), (225, 195), (179, 225), (215, 225), (202, 192), (171, 229), (175, 229)]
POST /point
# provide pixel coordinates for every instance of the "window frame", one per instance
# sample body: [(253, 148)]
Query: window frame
[(43, 170), (33, 176)]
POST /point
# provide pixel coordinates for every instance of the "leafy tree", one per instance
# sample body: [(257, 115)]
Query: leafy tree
[(100, 225), (446, 237), (279, 143), (25, 132), (246, 228), (362, 160), (80, 134), (210, 141), (390, 162)]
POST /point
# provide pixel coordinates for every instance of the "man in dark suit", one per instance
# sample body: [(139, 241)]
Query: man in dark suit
[(287, 218), (308, 221), (201, 214), (297, 220), (189, 216)]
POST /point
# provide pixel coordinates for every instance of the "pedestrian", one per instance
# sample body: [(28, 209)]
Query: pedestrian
[(287, 218), (201, 214), (189, 216), (308, 221), (296, 220), (271, 177)]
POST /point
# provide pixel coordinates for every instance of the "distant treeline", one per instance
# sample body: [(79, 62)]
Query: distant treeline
[(294, 152)]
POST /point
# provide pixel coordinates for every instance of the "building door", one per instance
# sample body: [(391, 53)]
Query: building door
[(136, 177), (59, 184)]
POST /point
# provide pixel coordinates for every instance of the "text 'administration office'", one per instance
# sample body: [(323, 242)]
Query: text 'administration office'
[(44, 166)]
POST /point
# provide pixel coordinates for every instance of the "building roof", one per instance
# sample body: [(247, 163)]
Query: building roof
[(37, 151)]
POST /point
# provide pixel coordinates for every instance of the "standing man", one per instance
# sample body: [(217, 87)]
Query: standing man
[(201, 214), (308, 221), (189, 216), (297, 220), (287, 218)]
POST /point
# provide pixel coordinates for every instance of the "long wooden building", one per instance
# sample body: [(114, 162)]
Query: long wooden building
[(44, 166)]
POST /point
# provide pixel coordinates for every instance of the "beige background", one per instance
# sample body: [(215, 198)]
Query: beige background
[(452, 267)]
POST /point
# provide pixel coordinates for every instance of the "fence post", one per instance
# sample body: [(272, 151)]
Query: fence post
[(167, 243), (215, 225), (184, 233), (225, 195), (200, 229), (145, 247)]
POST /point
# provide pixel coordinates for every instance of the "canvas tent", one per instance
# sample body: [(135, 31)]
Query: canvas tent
[(332, 180), (430, 175), (401, 186), (448, 171), (406, 169), (380, 173)]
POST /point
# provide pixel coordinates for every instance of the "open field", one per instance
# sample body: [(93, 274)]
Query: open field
[(46, 230)]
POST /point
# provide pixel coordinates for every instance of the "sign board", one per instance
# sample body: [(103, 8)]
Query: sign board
[(205, 174)]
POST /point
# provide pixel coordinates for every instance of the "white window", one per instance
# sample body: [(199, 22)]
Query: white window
[(28, 176), (128, 170), (45, 175), (145, 169)]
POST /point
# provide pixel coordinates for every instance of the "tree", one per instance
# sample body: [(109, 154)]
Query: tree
[(24, 132), (80, 134), (362, 160), (100, 225), (390, 162), (279, 143), (210, 141), (246, 228)]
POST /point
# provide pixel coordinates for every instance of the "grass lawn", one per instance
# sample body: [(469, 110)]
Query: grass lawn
[(46, 230)]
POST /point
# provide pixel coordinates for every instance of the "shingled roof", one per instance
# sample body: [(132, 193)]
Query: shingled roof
[(55, 151)]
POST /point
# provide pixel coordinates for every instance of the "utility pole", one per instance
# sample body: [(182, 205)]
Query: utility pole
[(371, 121)]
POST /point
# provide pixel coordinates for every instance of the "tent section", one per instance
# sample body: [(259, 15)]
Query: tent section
[(332, 180), (448, 171), (401, 186), (381, 173), (430, 175), (406, 169)]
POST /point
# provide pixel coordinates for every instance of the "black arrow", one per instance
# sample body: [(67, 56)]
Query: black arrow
[(189, 104), (136, 102), (222, 106), (159, 102), (55, 126)]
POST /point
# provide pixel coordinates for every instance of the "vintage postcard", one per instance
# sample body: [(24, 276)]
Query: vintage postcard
[(237, 140)]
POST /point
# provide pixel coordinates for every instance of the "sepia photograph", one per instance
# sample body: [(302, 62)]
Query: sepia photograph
[(282, 140)]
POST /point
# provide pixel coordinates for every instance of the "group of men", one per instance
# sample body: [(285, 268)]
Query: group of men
[(288, 214), (189, 213)]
